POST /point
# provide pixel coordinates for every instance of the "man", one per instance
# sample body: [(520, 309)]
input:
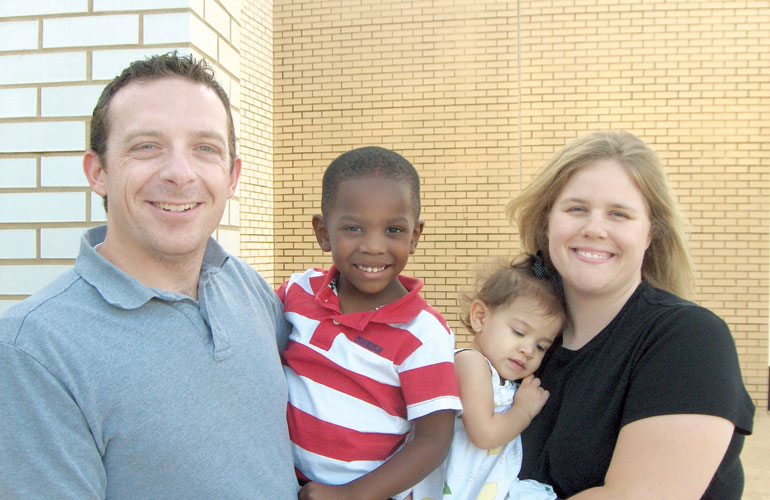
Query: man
[(151, 369)]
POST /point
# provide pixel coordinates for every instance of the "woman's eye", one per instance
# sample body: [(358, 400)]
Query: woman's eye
[(576, 209), (619, 215), (541, 348), (518, 333)]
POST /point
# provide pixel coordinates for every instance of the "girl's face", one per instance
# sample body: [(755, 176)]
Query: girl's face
[(515, 336), (598, 231)]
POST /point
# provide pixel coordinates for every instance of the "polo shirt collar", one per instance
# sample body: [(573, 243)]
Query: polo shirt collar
[(403, 310), (122, 290)]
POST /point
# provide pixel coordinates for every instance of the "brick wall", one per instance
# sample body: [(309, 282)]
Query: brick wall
[(257, 206), (56, 58), (439, 82)]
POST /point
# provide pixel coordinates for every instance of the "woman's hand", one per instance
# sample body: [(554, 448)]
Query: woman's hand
[(530, 397)]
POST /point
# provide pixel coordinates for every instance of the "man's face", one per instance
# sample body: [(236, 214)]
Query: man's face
[(166, 170)]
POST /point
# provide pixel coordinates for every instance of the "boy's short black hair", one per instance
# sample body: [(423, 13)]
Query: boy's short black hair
[(369, 161)]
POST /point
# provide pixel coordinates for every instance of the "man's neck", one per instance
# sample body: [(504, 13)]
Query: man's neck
[(171, 275)]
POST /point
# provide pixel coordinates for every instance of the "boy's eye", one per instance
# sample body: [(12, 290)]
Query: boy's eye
[(352, 228), (394, 229)]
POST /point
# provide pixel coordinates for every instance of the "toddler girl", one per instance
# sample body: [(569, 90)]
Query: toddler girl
[(515, 316)]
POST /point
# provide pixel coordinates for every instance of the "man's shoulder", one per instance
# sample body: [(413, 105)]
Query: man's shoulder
[(64, 297)]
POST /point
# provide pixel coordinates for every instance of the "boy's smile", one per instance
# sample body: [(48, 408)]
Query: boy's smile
[(371, 228)]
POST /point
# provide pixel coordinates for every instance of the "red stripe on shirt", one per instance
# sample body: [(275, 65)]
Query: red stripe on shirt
[(309, 364), (338, 442), (442, 377)]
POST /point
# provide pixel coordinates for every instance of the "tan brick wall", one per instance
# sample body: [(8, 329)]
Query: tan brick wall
[(256, 137), (439, 82)]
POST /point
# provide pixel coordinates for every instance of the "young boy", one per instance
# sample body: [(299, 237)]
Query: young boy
[(368, 359)]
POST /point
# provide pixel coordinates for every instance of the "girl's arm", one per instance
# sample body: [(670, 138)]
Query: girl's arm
[(487, 429), (432, 435), (664, 457)]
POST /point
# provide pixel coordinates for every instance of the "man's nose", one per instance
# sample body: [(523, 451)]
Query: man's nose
[(177, 167)]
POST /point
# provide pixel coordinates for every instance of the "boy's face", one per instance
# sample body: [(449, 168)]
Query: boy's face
[(370, 229)]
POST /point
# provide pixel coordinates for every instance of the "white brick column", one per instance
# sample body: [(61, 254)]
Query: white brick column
[(56, 56)]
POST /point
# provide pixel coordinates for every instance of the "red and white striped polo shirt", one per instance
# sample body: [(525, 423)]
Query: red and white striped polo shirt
[(355, 380)]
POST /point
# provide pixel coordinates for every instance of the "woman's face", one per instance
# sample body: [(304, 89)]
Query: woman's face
[(598, 231)]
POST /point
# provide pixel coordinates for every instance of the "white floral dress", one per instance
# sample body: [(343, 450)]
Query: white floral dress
[(470, 473)]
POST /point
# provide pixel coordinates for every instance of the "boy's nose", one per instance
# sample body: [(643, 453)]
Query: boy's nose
[(373, 243)]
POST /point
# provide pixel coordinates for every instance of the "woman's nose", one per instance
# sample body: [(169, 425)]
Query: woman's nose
[(594, 226)]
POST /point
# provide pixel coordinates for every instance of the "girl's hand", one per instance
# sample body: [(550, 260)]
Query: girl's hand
[(530, 397)]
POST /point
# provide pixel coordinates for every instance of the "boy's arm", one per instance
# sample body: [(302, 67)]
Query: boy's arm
[(432, 435), (487, 429)]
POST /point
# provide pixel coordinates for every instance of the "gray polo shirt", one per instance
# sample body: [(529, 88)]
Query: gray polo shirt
[(110, 389)]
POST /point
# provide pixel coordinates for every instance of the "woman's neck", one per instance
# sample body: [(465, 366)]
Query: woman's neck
[(589, 314)]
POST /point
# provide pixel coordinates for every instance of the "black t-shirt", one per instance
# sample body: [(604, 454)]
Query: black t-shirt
[(660, 355)]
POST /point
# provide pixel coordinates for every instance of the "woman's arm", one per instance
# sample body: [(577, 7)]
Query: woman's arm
[(432, 435), (487, 429), (664, 457)]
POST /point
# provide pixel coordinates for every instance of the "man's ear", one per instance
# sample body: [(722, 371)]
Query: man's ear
[(478, 315), (416, 235), (235, 174), (95, 172), (321, 233)]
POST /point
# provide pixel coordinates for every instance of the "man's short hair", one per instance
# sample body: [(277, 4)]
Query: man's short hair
[(369, 161), (152, 68)]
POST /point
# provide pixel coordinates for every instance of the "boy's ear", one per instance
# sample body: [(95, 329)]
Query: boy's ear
[(321, 233), (478, 315), (416, 235)]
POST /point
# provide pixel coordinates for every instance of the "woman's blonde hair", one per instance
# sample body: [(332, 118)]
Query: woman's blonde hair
[(666, 262)]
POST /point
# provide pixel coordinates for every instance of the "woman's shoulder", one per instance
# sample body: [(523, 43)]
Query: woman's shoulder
[(665, 307)]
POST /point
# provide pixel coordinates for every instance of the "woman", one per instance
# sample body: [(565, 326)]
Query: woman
[(647, 399)]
